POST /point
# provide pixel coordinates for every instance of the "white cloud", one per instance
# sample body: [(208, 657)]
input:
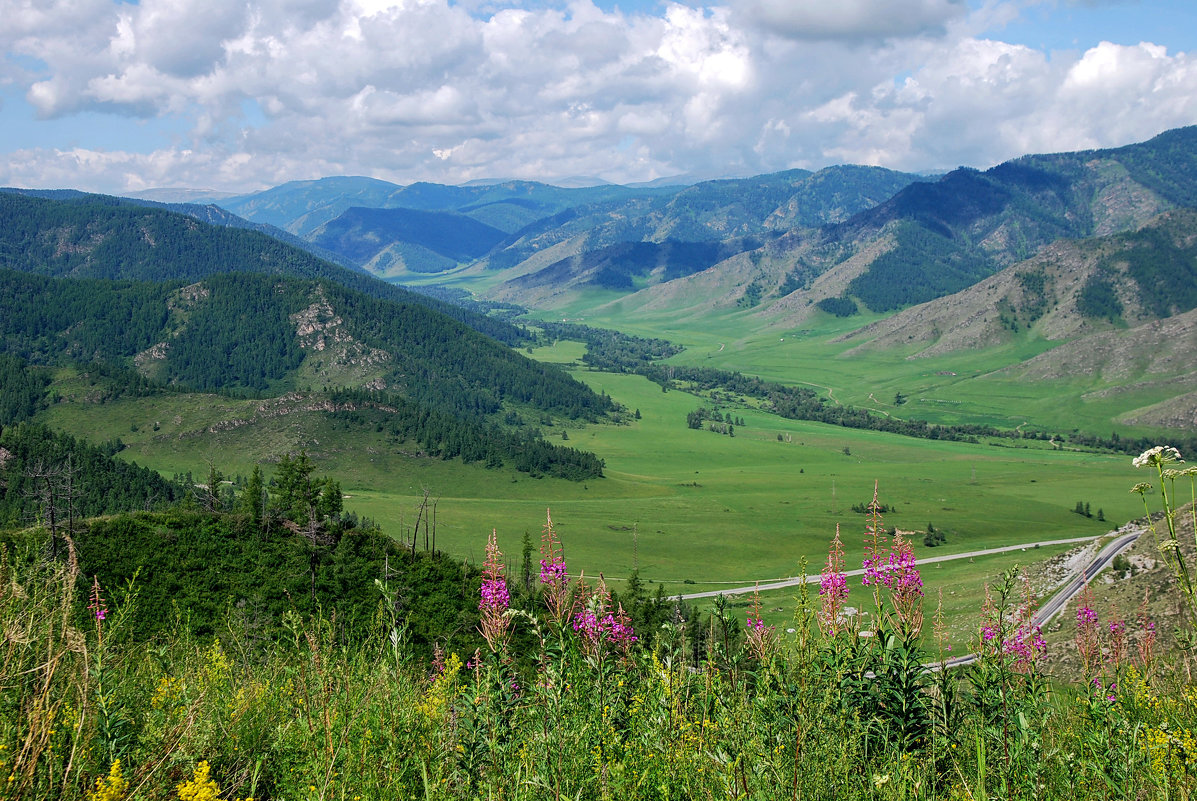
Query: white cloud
[(851, 19), (429, 89)]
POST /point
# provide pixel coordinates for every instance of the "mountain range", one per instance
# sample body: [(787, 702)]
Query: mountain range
[(166, 302), (1083, 248), (782, 242)]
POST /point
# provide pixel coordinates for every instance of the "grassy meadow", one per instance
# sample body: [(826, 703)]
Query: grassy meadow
[(692, 509), (966, 387)]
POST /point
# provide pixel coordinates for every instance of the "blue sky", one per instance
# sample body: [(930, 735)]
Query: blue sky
[(236, 96)]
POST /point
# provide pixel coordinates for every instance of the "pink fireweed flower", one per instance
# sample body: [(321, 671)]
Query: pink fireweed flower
[(758, 636), (97, 605), (598, 626), (833, 589), (877, 561), (98, 608), (1109, 692), (907, 586), (891, 564), (494, 597), (620, 629), (558, 594), (1024, 647), (552, 574), (1088, 638), (990, 625), (1116, 638)]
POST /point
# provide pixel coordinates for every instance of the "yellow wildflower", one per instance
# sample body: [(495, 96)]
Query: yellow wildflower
[(111, 787), (201, 787)]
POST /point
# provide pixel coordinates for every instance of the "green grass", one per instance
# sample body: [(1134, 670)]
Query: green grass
[(315, 715), (966, 387), (681, 504)]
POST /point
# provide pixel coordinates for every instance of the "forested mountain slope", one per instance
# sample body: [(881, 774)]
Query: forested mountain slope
[(681, 234), (539, 219), (930, 239), (95, 236), (270, 334), (934, 239), (1071, 288)]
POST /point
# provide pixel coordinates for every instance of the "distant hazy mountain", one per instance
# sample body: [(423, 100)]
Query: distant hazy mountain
[(727, 217), (423, 241), (180, 195), (538, 217), (299, 206)]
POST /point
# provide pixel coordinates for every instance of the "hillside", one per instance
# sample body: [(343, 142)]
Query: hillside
[(931, 239), (1072, 288), (418, 241), (95, 236), (269, 334), (951, 233)]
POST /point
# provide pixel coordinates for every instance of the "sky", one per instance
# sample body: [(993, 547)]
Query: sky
[(235, 96)]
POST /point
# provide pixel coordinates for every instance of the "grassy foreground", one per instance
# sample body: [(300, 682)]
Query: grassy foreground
[(578, 710)]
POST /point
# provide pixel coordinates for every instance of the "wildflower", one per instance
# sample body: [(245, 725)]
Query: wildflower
[(1157, 457), (759, 636), (1116, 637), (833, 588), (876, 567), (990, 624), (438, 660), (1024, 647), (495, 598), (598, 626), (97, 605), (201, 787), (620, 628), (553, 575), (892, 565), (111, 787), (1087, 636), (1109, 692), (907, 587), (442, 690)]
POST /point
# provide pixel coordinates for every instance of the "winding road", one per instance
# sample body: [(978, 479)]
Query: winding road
[(1125, 537), (794, 581)]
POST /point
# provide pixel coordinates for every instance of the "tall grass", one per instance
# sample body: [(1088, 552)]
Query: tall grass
[(842, 707)]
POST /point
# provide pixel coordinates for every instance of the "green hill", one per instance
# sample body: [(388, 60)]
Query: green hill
[(96, 236), (360, 234), (272, 334), (951, 233)]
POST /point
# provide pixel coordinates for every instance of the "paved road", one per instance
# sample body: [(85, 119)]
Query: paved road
[(1073, 588), (794, 581)]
